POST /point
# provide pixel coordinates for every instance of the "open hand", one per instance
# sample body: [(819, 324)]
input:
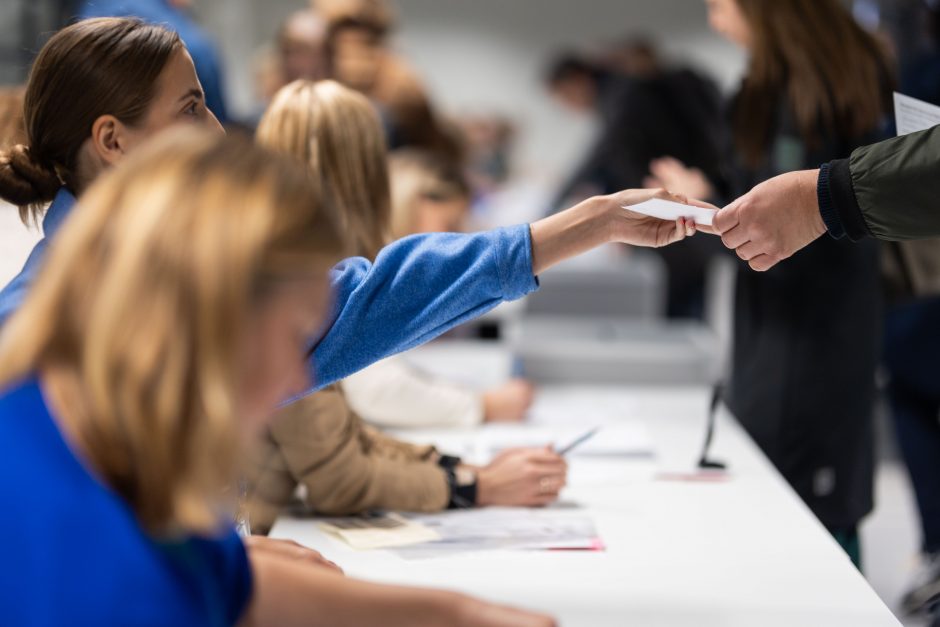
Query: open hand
[(640, 230), (289, 549)]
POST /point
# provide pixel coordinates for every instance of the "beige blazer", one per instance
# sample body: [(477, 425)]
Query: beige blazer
[(345, 466)]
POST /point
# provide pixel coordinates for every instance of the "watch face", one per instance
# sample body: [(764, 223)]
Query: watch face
[(465, 476)]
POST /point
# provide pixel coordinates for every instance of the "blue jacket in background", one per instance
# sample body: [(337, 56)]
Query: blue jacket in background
[(198, 42)]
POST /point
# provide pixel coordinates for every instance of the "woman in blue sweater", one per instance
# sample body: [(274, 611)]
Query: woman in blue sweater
[(167, 325), (126, 81)]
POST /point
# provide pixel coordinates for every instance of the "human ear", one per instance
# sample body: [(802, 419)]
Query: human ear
[(109, 139)]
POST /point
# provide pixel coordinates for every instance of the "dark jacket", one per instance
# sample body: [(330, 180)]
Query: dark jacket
[(889, 190), (803, 385)]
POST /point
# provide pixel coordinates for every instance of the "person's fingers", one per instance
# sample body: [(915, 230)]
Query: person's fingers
[(666, 166), (689, 228), (664, 194), (545, 455), (727, 218), (652, 182), (735, 238), (694, 202), (704, 228), (749, 251), (763, 263)]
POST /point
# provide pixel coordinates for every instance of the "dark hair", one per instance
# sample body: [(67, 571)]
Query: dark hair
[(89, 69), (833, 73), (570, 65)]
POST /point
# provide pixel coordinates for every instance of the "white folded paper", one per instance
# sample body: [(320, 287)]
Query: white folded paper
[(668, 210)]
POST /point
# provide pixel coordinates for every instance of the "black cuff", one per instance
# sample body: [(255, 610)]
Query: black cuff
[(841, 194), (461, 496), (448, 462), (828, 212)]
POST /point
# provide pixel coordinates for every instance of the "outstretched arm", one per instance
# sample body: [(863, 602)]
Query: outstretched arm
[(424, 285)]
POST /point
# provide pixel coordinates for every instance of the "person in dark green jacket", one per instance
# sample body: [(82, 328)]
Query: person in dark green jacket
[(888, 191)]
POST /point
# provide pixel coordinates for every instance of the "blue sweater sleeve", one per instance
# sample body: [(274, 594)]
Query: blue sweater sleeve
[(417, 289)]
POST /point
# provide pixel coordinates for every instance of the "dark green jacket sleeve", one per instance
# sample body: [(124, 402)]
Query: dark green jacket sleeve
[(889, 190)]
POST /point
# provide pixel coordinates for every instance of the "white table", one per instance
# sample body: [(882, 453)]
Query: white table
[(742, 553)]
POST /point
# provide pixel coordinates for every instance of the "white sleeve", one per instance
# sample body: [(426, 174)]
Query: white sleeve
[(394, 394)]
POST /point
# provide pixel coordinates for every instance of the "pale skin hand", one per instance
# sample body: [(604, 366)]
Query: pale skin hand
[(522, 478), (674, 175), (508, 402), (602, 220), (288, 593), (291, 550), (773, 221)]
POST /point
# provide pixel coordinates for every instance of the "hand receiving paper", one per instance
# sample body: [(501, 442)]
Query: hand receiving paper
[(772, 221), (643, 230)]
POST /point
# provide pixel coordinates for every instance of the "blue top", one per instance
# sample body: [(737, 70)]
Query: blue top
[(200, 46), (418, 288), (74, 554)]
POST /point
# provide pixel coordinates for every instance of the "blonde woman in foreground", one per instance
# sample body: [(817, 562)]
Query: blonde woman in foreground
[(170, 320)]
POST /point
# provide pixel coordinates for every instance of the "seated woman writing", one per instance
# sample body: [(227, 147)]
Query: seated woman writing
[(318, 442)]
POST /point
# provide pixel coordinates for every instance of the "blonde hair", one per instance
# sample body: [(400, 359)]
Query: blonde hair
[(336, 132), (142, 297), (418, 175)]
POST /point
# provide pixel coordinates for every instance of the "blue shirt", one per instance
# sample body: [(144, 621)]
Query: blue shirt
[(200, 46), (74, 554), (418, 288)]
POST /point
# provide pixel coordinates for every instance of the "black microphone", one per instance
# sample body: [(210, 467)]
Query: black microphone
[(705, 463)]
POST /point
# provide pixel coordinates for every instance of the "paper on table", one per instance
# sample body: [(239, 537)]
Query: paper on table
[(668, 210), (379, 531), (913, 115), (505, 528)]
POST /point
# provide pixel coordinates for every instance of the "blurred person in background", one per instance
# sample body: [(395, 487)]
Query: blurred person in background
[(301, 47), (645, 111), (174, 15), (488, 141), (912, 345), (298, 53), (319, 442), (807, 333), (360, 56), (428, 195)]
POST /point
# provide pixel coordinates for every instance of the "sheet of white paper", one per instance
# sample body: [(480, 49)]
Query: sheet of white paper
[(913, 115), (505, 528), (668, 210)]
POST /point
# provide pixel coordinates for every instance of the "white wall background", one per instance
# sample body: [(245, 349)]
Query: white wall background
[(489, 55)]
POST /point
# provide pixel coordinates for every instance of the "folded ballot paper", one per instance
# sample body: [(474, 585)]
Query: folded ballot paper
[(668, 210)]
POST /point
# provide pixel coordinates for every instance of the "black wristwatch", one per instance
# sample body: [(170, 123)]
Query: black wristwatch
[(461, 481)]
